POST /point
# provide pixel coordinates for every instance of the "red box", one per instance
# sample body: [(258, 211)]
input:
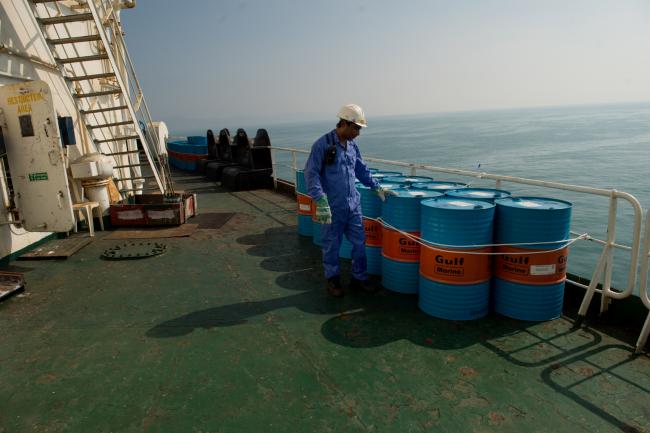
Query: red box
[(153, 210)]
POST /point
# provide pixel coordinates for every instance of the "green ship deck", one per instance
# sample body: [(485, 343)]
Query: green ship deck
[(231, 331)]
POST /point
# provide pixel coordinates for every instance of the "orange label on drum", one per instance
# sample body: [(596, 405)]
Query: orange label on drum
[(373, 231), (539, 268), (456, 267), (305, 206), (398, 247)]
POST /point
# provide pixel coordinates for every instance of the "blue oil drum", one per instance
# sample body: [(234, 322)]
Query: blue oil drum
[(371, 209), (454, 269), (198, 140), (529, 277), (408, 180), (373, 259), (185, 154), (439, 186), (401, 255), (381, 174), (305, 206), (370, 201), (301, 182), (485, 194)]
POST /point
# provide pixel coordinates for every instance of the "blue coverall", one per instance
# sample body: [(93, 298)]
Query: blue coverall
[(337, 181)]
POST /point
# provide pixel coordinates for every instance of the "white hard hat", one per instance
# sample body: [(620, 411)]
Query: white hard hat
[(353, 113)]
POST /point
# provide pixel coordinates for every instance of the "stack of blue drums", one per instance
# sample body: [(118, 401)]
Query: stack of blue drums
[(529, 278), (400, 254), (185, 154)]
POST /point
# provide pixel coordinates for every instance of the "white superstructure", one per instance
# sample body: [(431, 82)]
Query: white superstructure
[(76, 48)]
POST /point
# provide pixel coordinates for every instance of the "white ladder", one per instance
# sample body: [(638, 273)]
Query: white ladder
[(85, 38)]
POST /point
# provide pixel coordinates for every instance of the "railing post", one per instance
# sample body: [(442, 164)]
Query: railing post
[(589, 294), (643, 337), (274, 170), (611, 239), (605, 265), (643, 285)]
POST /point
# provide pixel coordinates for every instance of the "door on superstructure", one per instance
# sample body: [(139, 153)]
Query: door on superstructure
[(35, 155)]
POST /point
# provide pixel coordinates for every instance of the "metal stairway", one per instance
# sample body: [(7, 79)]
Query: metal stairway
[(86, 41)]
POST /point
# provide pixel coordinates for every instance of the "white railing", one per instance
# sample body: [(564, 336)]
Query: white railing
[(605, 262)]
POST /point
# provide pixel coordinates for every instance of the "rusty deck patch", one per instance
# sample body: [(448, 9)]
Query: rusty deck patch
[(153, 233), (212, 220)]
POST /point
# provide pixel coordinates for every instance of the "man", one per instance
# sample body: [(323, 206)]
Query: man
[(334, 163)]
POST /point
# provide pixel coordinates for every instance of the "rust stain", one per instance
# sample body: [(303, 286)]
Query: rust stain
[(46, 378), (148, 420), (586, 371), (468, 371), (496, 418)]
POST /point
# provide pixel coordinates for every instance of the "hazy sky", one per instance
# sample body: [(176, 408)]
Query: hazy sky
[(204, 62)]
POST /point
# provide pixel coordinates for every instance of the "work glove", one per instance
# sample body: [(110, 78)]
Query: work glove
[(383, 192), (323, 212)]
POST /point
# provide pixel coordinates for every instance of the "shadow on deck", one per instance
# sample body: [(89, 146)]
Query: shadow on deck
[(588, 366)]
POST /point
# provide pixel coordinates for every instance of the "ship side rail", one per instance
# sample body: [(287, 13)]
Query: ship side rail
[(601, 279)]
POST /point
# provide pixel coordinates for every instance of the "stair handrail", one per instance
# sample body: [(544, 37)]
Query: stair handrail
[(161, 179), (145, 108), (141, 112)]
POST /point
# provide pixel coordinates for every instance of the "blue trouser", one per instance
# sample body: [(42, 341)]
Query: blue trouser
[(349, 223)]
